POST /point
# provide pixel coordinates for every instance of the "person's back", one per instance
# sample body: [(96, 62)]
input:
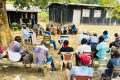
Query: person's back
[(101, 48), (82, 70), (84, 47), (84, 35), (15, 46), (65, 47), (114, 61), (40, 54), (15, 49), (25, 33), (94, 39)]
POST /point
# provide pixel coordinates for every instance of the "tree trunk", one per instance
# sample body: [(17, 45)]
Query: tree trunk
[(5, 35)]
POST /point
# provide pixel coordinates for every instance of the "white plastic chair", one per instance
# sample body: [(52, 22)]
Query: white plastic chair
[(28, 40), (67, 58)]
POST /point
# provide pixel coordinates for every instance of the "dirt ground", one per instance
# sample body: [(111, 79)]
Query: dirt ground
[(18, 72)]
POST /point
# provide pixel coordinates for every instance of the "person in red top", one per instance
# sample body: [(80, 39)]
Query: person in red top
[(65, 48)]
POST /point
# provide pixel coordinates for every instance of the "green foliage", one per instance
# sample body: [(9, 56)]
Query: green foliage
[(114, 7), (43, 16), (10, 2), (44, 3)]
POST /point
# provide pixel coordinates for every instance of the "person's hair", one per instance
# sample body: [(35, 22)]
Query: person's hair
[(51, 25), (95, 34), (27, 25), (65, 32), (116, 54), (66, 42), (101, 39), (24, 27), (84, 41), (18, 39), (105, 32), (47, 29), (116, 35)]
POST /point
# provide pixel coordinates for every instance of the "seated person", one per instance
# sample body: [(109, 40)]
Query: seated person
[(83, 35), (34, 38), (114, 61), (74, 29), (116, 43), (63, 37), (65, 48), (83, 69), (26, 33), (94, 41), (14, 52), (41, 56), (101, 48), (47, 32), (105, 35), (82, 48)]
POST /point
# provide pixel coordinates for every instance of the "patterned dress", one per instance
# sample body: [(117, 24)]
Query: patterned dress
[(40, 54)]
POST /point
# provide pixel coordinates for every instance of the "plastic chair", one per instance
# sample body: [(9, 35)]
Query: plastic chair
[(108, 56), (15, 28), (25, 40), (67, 58), (80, 77)]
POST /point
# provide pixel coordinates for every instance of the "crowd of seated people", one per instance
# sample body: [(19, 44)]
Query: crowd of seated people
[(87, 43)]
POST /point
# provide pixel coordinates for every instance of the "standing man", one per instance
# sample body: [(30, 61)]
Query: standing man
[(32, 21)]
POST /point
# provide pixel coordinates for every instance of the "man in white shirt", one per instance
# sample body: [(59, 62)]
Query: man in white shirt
[(83, 35), (81, 49)]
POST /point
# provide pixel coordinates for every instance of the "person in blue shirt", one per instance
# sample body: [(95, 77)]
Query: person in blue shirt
[(74, 29), (114, 61), (47, 32), (105, 34), (101, 48)]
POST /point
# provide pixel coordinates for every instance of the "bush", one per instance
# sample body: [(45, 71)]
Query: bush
[(43, 16)]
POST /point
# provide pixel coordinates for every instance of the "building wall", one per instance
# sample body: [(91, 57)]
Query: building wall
[(61, 13), (21, 17)]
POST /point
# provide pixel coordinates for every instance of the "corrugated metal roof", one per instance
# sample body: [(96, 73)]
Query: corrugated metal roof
[(80, 4), (10, 7)]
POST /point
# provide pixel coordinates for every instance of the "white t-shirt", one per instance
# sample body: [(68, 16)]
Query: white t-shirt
[(82, 70), (83, 36), (83, 48)]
